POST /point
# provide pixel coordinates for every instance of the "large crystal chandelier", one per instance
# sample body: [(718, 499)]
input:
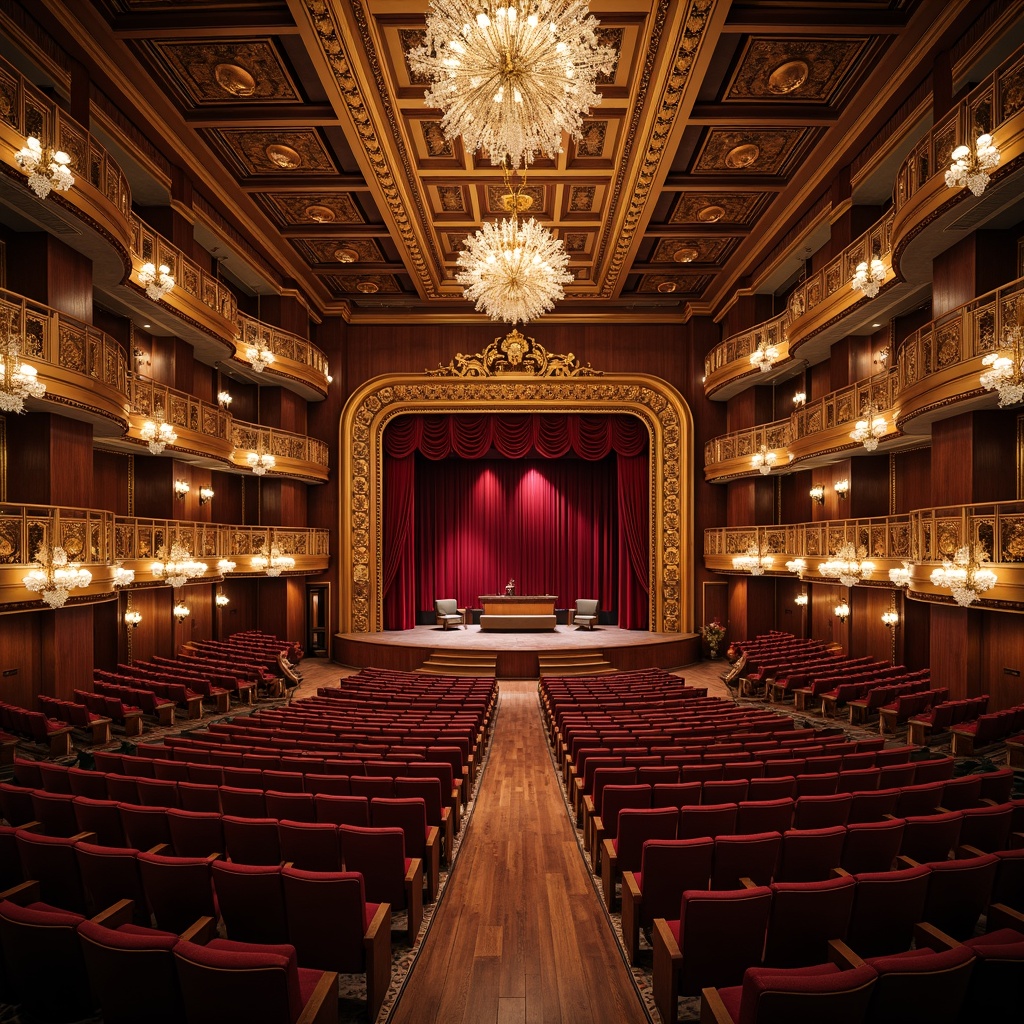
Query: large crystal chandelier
[(260, 462), (53, 577), (870, 429), (510, 78), (965, 576), (1006, 375), (18, 380), (971, 165), (763, 460), (753, 562), (46, 169), (512, 270), (273, 563), (901, 577), (177, 568), (848, 565), (157, 282)]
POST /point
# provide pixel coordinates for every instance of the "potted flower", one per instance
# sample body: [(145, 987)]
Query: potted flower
[(713, 633)]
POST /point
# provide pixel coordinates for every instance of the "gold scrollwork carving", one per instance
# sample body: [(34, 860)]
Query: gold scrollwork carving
[(515, 353)]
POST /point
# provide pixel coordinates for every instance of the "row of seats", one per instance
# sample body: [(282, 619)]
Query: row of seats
[(945, 715), (986, 729)]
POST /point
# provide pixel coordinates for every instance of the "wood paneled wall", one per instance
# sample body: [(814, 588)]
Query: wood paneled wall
[(970, 456), (49, 460), (67, 651), (913, 471), (21, 657)]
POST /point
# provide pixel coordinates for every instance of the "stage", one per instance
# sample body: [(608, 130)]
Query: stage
[(516, 654)]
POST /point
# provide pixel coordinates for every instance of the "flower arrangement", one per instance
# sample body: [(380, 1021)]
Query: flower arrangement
[(713, 633)]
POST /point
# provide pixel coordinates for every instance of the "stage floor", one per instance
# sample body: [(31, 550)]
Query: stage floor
[(407, 649)]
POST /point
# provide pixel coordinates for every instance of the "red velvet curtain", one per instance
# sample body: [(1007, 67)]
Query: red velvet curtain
[(575, 527)]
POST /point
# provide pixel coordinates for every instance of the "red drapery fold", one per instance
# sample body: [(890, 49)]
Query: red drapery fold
[(570, 527)]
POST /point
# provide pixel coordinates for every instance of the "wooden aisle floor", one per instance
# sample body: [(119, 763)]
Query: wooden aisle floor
[(520, 937)]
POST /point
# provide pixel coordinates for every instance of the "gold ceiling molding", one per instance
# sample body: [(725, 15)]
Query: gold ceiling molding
[(514, 354), (655, 402)]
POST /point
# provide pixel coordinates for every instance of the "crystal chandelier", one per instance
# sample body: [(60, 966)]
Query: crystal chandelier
[(123, 577), (848, 565), (222, 600), (157, 282), (842, 611), (46, 169), (869, 429), (178, 568), (260, 462), (18, 380), (868, 277), (890, 619), (181, 611), (966, 576), (53, 577), (970, 167), (225, 565), (224, 399), (764, 356), (132, 618), (901, 577), (274, 563), (1006, 375), (158, 434), (764, 461), (753, 562), (259, 356), (512, 270), (510, 79), (797, 565)]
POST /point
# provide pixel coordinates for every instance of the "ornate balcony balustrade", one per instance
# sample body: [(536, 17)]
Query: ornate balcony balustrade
[(729, 362), (203, 429), (298, 456), (295, 359)]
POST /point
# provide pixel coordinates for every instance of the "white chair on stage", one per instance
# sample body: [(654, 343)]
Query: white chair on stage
[(585, 613), (448, 613)]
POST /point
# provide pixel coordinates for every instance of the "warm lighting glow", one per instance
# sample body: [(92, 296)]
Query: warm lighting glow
[(260, 357), (966, 576), (800, 399), (158, 282), (869, 429), (222, 600), (890, 619), (1006, 375), (797, 565), (868, 277), (817, 493), (842, 611), (132, 618), (764, 356), (46, 169), (181, 612), (260, 462), (841, 487), (205, 495), (158, 434), (753, 562), (848, 565), (901, 577), (123, 577), (511, 79), (224, 399), (764, 461), (225, 565), (18, 380), (177, 569), (971, 165), (274, 564), (181, 488), (53, 577), (801, 600)]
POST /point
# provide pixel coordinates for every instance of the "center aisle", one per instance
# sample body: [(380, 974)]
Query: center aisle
[(520, 935)]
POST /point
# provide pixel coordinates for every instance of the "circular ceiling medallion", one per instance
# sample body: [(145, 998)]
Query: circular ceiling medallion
[(687, 254), (321, 214), (346, 255), (788, 77), (742, 156), (283, 156), (368, 287), (709, 214), (234, 79), (667, 286)]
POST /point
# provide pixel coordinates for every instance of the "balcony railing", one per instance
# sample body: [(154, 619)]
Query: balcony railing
[(85, 534), (253, 333), (282, 444), (739, 444), (180, 409), (736, 350), (996, 528)]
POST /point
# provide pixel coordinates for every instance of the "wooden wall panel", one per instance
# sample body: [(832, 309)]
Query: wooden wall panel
[(242, 612), (827, 476), (273, 606), (950, 649), (108, 631), (67, 652), (747, 311), (751, 500), (792, 617), (70, 462), (21, 651), (184, 363), (154, 488), (227, 505), (869, 486), (839, 360), (1002, 650), (110, 481), (824, 624), (28, 458), (868, 635), (914, 635), (819, 381), (913, 479), (153, 635), (994, 449), (796, 498), (162, 355), (953, 276), (68, 280)]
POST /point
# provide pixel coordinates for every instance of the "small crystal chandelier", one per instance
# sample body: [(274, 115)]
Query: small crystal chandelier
[(158, 434), (18, 380), (869, 429), (181, 611), (848, 565), (798, 566), (800, 600), (970, 167), (842, 611), (273, 564), (966, 576), (53, 577), (1006, 375), (890, 619), (260, 462), (764, 461), (764, 356), (868, 277), (901, 577), (225, 565), (178, 568), (222, 599), (799, 399), (157, 282), (259, 356), (123, 577), (132, 618), (224, 399), (55, 163), (753, 562), (511, 78)]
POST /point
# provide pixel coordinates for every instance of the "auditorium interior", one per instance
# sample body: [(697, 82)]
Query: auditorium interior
[(637, 641)]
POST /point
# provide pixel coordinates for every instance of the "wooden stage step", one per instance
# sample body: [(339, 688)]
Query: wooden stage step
[(584, 663), (458, 663)]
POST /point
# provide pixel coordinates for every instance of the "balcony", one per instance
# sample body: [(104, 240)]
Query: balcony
[(297, 456), (727, 367), (298, 364)]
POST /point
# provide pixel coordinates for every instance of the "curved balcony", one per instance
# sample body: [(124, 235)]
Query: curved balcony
[(298, 364), (100, 197), (297, 456), (727, 367), (940, 364), (923, 538), (97, 539), (85, 370), (810, 435)]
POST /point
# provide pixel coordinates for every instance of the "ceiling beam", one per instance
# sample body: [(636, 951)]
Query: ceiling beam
[(695, 230), (338, 231), (824, 19), (766, 115), (306, 183), (262, 116), (701, 183), (215, 22)]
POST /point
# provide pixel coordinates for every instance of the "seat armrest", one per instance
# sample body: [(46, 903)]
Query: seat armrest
[(968, 851), (23, 894), (322, 1007), (161, 848), (201, 931), (661, 933), (907, 862), (999, 915), (116, 915), (842, 956), (712, 1009), (841, 873), (84, 837), (748, 883), (927, 935)]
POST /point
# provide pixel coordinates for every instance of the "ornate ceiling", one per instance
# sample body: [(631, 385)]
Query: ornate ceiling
[(721, 124)]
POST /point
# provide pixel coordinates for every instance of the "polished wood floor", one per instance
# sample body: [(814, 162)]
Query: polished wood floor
[(519, 936)]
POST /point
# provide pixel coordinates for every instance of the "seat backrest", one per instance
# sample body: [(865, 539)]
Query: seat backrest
[(872, 845), (745, 856), (821, 811), (144, 827), (586, 606), (326, 918), (958, 893), (243, 803), (987, 827), (409, 814), (708, 821), (772, 996), (809, 855), (379, 855), (959, 794), (917, 800), (251, 901), (293, 806), (804, 916), (446, 606), (56, 811), (51, 861), (196, 833), (178, 889), (668, 868), (872, 806), (109, 874), (764, 815), (675, 794), (636, 826), (886, 906), (930, 837), (342, 810), (251, 840), (934, 983), (309, 846)]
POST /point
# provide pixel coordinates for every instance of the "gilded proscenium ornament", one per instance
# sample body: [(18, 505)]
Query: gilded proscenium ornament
[(515, 353)]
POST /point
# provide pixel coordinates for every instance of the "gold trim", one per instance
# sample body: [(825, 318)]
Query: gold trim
[(655, 402), (514, 354)]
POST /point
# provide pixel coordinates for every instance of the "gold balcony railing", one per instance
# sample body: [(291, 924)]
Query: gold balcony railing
[(742, 444), (731, 358), (297, 455), (996, 528), (86, 534), (182, 410), (294, 357)]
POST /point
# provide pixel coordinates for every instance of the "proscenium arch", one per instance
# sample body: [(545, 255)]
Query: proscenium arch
[(657, 404)]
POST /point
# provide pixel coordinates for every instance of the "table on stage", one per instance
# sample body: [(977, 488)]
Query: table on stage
[(517, 611)]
